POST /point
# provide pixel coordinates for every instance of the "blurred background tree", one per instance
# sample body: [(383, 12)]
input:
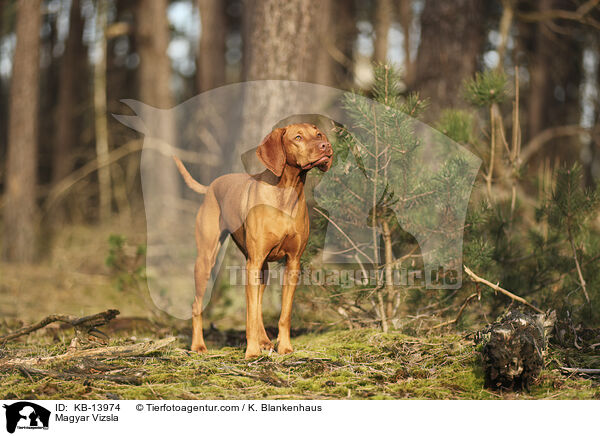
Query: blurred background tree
[(59, 172), (20, 211)]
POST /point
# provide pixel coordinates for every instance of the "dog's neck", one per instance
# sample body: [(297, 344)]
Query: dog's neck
[(290, 187), (292, 177), (291, 184)]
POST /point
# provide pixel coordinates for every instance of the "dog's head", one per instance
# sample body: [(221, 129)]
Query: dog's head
[(303, 146)]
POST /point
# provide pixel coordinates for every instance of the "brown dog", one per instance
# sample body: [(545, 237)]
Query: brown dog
[(267, 217)]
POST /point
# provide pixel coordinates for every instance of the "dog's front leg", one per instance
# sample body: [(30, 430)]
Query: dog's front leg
[(290, 281), (264, 341), (253, 324)]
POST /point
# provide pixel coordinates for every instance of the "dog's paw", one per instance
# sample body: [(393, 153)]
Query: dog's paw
[(199, 348), (285, 349), (252, 352), (266, 345)]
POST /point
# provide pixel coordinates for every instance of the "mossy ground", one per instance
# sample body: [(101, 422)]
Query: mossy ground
[(356, 364), (336, 364)]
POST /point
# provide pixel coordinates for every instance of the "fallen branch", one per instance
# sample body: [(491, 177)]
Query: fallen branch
[(581, 370), (459, 314), (509, 294), (63, 375), (86, 324), (100, 352)]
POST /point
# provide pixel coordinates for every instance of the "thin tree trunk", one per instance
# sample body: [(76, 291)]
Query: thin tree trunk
[(383, 21), (374, 224), (326, 28), (4, 92), (336, 31), (100, 120), (345, 38), (566, 76), (508, 11), (405, 13), (152, 38), (66, 128), (20, 209), (555, 80), (539, 73), (211, 60), (389, 273), (211, 53)]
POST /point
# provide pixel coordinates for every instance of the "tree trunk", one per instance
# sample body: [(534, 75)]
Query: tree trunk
[(120, 82), (326, 28), (20, 209), (211, 53), (280, 42), (389, 270), (4, 92), (67, 108), (383, 21), (336, 30), (452, 39), (100, 120), (406, 16), (555, 79), (539, 72), (152, 38), (281, 39)]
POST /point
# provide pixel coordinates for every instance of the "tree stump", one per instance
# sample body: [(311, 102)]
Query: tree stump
[(514, 349)]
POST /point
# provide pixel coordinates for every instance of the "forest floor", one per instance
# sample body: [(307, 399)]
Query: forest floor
[(350, 364), (328, 363)]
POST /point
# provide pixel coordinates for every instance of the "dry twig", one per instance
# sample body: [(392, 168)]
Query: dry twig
[(86, 324), (64, 375), (459, 314), (509, 294), (581, 370), (100, 352)]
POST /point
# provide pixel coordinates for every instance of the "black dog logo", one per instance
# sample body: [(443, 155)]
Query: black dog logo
[(28, 415)]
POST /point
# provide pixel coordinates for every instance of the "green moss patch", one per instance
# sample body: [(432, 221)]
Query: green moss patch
[(356, 364)]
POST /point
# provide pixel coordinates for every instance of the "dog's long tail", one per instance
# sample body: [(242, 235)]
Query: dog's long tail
[(187, 177)]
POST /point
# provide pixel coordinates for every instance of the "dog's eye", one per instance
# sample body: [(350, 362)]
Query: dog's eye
[(298, 138), (319, 135)]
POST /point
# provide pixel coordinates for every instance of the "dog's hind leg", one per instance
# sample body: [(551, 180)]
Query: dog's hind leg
[(208, 234)]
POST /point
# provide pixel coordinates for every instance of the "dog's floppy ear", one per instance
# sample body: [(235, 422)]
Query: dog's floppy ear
[(271, 152)]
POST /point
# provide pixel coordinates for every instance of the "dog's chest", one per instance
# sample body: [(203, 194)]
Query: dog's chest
[(288, 237)]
